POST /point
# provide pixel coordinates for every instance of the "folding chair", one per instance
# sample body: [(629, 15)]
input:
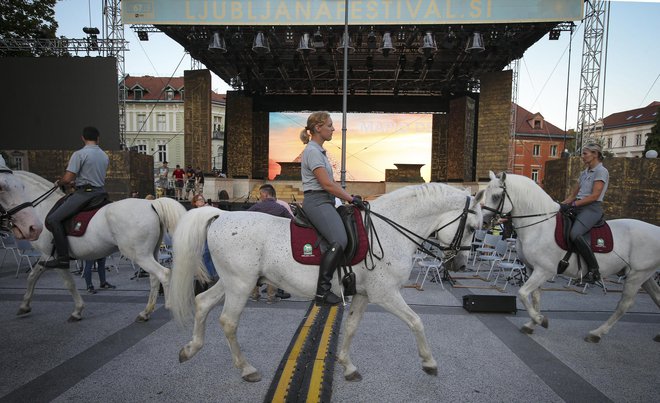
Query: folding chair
[(430, 265), (487, 248), (497, 255), (8, 244)]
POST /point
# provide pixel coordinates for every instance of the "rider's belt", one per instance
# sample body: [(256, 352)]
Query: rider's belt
[(313, 191), (87, 188)]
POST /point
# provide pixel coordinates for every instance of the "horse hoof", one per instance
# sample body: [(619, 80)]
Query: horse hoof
[(141, 319), (183, 357), (253, 377), (544, 322), (657, 338), (431, 370), (526, 330), (23, 311), (592, 338), (73, 319), (353, 377)]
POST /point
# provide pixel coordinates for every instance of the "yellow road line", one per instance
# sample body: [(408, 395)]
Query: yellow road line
[(314, 391), (289, 368)]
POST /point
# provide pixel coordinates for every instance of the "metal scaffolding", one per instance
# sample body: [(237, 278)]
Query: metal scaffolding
[(514, 66), (113, 31), (592, 54)]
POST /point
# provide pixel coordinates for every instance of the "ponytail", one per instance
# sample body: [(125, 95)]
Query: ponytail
[(304, 135)]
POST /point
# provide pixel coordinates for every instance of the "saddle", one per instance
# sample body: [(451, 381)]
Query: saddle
[(600, 235), (305, 240), (77, 224)]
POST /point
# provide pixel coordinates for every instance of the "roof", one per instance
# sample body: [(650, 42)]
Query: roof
[(154, 88), (524, 128), (633, 117)]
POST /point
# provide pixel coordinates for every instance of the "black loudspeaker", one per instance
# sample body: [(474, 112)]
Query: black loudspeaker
[(490, 303)]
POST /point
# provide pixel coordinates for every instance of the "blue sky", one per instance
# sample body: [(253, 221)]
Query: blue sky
[(631, 70)]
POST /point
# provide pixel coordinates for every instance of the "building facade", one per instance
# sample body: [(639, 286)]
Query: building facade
[(155, 117), (535, 141), (624, 133)]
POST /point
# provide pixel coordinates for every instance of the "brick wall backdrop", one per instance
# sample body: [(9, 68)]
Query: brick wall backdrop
[(260, 139), (127, 171), (460, 140), (439, 148), (633, 191), (238, 135), (197, 118), (494, 123)]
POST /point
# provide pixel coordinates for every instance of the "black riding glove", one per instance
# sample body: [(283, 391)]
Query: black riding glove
[(357, 201), (566, 208)]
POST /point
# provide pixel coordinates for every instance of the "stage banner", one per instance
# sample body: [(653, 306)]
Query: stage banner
[(331, 12)]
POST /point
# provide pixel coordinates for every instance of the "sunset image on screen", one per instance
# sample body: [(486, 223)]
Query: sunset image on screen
[(374, 142)]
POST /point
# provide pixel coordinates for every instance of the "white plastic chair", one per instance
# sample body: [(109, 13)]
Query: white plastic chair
[(497, 255), (488, 247), (26, 252), (8, 244), (433, 265), (477, 241)]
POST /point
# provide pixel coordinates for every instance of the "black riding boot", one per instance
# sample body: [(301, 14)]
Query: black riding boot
[(62, 248), (584, 249), (329, 263)]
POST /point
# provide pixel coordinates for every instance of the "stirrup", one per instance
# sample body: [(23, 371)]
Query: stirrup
[(329, 299)]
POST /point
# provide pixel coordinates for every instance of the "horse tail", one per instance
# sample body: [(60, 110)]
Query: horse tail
[(169, 212), (188, 245)]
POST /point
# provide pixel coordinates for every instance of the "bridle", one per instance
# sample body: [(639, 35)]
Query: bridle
[(501, 214), (6, 215), (450, 251)]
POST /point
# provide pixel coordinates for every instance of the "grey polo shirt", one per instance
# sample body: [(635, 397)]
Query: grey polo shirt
[(90, 164), (587, 179), (313, 157)]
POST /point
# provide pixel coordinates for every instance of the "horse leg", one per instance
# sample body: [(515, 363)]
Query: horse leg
[(151, 302), (630, 288), (397, 306), (204, 302), (532, 286), (358, 306), (231, 313), (34, 275), (653, 289), (70, 284)]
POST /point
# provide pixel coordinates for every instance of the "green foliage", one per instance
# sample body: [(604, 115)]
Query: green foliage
[(28, 19), (653, 138)]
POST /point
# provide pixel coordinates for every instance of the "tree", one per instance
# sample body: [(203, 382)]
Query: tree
[(28, 19), (653, 138)]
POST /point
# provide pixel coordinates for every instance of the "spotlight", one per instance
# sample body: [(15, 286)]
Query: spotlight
[(554, 34), (143, 35)]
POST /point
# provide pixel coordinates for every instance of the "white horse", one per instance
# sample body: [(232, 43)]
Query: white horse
[(248, 246), (636, 246), (16, 211), (135, 227)]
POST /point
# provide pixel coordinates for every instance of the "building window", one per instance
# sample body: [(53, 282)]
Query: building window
[(170, 95), (141, 146), (537, 124), (553, 151), (161, 122), (161, 154), (609, 142), (182, 94), (141, 120), (217, 123), (638, 139), (536, 150), (535, 175), (18, 162), (623, 141), (137, 94)]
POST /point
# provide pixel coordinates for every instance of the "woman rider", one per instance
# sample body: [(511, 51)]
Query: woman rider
[(320, 191), (586, 199)]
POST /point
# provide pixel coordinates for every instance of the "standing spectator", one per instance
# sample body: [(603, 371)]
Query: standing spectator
[(87, 274), (190, 181), (178, 176), (198, 201), (199, 181), (268, 204), (163, 174)]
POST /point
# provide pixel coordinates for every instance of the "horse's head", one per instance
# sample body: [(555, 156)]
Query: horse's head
[(458, 234), (494, 199), (16, 211)]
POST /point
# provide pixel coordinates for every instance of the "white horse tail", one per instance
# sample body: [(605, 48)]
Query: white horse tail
[(188, 248), (169, 212)]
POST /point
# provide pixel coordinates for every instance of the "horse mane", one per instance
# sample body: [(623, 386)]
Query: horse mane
[(529, 196), (435, 192), (33, 179)]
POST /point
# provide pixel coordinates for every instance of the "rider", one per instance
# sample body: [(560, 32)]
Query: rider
[(87, 167), (586, 199), (320, 191)]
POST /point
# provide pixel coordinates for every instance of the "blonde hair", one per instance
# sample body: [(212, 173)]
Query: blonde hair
[(316, 118), (196, 197), (149, 197)]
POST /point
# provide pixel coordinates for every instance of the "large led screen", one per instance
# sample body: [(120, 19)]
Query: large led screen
[(374, 143)]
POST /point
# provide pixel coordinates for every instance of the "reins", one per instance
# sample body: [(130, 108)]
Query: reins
[(453, 248), (5, 215)]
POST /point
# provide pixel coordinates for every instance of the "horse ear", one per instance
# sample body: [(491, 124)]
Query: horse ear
[(479, 196), (492, 175), (503, 176)]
